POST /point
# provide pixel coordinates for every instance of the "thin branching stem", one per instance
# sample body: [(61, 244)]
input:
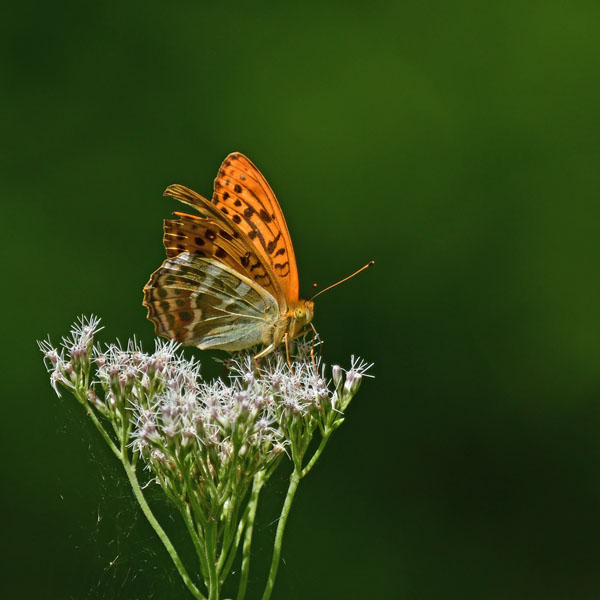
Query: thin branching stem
[(160, 532), (285, 511), (92, 415), (211, 555), (259, 480)]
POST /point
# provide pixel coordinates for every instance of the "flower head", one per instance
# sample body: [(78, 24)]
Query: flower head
[(203, 439)]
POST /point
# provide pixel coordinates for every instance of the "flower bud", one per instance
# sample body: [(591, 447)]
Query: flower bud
[(68, 371), (337, 372), (322, 392), (52, 356), (92, 397), (170, 431), (87, 331), (352, 384), (242, 397), (122, 380), (187, 437), (55, 378), (158, 456), (278, 448), (224, 422), (113, 371), (334, 400), (169, 414), (148, 432)]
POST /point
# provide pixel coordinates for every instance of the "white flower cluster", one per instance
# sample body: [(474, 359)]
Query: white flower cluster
[(204, 442)]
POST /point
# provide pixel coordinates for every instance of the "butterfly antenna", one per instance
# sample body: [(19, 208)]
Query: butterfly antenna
[(369, 264)]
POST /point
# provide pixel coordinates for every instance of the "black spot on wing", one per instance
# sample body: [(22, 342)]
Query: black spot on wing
[(273, 244), (283, 268), (264, 216)]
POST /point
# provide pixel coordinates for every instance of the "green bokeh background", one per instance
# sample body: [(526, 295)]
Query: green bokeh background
[(458, 145)]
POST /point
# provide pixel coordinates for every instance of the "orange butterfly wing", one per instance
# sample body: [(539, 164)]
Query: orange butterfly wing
[(245, 197)]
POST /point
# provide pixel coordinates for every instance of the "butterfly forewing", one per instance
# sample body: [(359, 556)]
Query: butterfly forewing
[(245, 197), (202, 302)]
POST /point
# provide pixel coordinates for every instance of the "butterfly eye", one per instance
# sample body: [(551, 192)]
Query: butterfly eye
[(299, 314)]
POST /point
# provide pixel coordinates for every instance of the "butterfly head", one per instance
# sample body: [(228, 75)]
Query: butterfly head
[(301, 315)]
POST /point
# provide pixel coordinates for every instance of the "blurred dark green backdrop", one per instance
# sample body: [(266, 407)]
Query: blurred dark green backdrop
[(457, 144)]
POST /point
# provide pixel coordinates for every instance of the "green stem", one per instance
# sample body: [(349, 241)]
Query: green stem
[(229, 534), (186, 513), (294, 481), (311, 463), (225, 562), (139, 496), (259, 480), (211, 557), (92, 415)]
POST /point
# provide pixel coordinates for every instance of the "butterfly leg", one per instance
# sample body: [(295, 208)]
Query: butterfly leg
[(262, 353), (312, 348), (286, 338)]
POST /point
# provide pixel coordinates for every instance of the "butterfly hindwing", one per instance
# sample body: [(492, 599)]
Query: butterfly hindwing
[(201, 302)]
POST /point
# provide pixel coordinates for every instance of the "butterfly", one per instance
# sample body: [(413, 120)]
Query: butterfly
[(230, 280)]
